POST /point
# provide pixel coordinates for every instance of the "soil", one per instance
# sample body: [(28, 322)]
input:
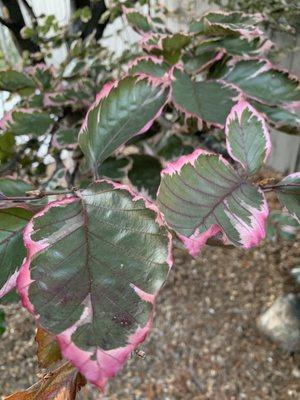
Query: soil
[(204, 344)]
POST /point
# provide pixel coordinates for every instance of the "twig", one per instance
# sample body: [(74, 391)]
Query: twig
[(5, 23), (38, 196)]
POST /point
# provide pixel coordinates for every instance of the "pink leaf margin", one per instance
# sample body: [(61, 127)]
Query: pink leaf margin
[(237, 113), (188, 114), (197, 241), (266, 66), (248, 237), (107, 363), (164, 82), (291, 176), (246, 33), (9, 284)]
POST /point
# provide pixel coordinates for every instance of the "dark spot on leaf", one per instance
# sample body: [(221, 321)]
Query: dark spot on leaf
[(123, 319)]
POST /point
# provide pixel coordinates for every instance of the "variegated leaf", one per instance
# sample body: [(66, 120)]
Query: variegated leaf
[(29, 121), (201, 195), (95, 265), (14, 191), (218, 23), (150, 67), (281, 226), (12, 250), (120, 112), (207, 100), (260, 80), (278, 116), (14, 81), (138, 21), (172, 46), (196, 63), (288, 192), (247, 137), (238, 46), (14, 187)]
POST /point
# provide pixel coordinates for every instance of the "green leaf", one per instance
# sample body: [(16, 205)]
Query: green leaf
[(11, 297), (138, 21), (67, 137), (176, 42), (29, 122), (2, 322), (196, 27), (86, 14), (201, 195), (248, 139), (150, 67), (14, 187), (207, 100), (94, 280), (145, 173), (278, 115), (239, 46), (7, 142), (288, 192), (172, 46), (171, 147), (44, 76), (219, 23), (119, 114), (14, 81), (281, 225), (12, 250), (114, 168), (196, 63)]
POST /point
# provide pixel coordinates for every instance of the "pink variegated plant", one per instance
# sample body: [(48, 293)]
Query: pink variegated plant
[(171, 149)]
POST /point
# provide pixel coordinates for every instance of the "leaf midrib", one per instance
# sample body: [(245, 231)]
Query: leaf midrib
[(127, 121), (220, 201)]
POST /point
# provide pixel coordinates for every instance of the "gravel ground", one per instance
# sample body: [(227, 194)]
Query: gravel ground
[(204, 344)]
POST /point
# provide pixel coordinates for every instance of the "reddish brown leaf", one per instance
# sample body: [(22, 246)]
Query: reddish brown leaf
[(61, 384), (48, 352)]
